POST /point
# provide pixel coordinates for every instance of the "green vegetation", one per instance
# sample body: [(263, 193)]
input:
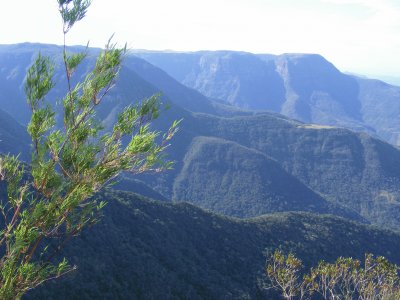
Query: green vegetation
[(343, 279), (50, 202), (238, 181), (353, 171), (144, 249)]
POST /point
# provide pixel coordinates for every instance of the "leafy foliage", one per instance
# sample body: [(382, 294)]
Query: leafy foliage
[(284, 273), (45, 207), (343, 279)]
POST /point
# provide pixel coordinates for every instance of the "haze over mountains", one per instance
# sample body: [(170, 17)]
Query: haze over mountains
[(305, 87), (237, 160)]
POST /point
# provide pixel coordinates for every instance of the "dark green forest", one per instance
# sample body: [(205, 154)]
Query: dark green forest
[(146, 249)]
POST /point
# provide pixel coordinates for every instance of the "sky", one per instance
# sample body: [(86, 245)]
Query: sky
[(358, 36)]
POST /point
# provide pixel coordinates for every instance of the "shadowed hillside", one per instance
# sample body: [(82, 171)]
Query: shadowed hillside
[(14, 138), (238, 181), (144, 249), (354, 170)]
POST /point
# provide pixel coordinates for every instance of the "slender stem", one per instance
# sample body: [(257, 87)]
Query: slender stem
[(29, 257), (66, 68), (14, 218), (50, 278), (75, 126)]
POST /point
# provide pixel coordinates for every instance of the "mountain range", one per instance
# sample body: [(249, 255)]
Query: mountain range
[(353, 170), (305, 87), (239, 162), (272, 150)]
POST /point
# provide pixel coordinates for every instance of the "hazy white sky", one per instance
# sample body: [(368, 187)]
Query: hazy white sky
[(361, 36)]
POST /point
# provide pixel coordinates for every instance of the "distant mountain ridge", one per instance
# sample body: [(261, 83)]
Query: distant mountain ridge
[(302, 86)]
